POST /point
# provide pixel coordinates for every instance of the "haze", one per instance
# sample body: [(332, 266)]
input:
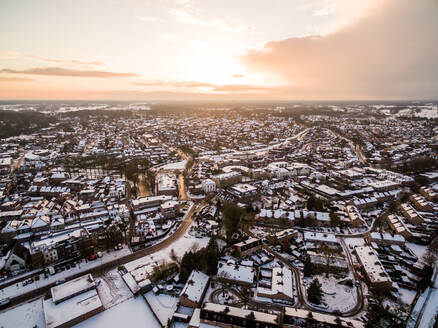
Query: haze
[(219, 50)]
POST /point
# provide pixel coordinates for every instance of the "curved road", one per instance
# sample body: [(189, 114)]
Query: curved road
[(119, 261)]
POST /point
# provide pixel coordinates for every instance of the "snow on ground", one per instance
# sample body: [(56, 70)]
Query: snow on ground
[(18, 289), (406, 295), (336, 296), (418, 250), (259, 232), (162, 305), (144, 265), (174, 166), (112, 289), (420, 111), (353, 242), (133, 313), (27, 315), (426, 306)]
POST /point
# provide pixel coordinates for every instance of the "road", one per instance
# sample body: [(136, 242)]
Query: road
[(420, 322), (360, 299), (185, 224), (302, 303), (182, 188), (355, 148)]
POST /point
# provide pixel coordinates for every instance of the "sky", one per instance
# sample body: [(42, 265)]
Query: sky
[(219, 50)]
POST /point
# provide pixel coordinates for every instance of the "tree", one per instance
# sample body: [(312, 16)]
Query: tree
[(426, 278), (212, 256), (187, 265), (329, 254), (314, 292), (173, 255), (308, 267), (233, 215), (315, 204), (335, 221), (435, 325), (224, 282), (311, 203)]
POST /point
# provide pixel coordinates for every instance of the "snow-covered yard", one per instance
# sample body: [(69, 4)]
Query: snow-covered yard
[(353, 242), (142, 267), (112, 289), (336, 296)]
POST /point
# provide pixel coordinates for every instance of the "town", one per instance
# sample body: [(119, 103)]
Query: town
[(267, 215)]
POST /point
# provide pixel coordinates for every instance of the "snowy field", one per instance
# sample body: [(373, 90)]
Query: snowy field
[(132, 313), (407, 296), (173, 166), (28, 315), (419, 250), (337, 297), (182, 245), (112, 289)]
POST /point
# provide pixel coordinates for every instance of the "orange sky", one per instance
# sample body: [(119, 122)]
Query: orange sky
[(204, 49)]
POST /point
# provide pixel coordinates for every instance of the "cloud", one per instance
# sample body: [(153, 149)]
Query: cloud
[(74, 62), (213, 88), (148, 18), (15, 79), (239, 88), (176, 84), (9, 54), (170, 37), (59, 71), (237, 76), (388, 53), (234, 26)]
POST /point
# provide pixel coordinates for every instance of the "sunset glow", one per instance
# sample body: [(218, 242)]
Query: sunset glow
[(282, 49)]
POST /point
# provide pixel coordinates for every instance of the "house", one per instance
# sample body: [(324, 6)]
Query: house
[(243, 191), (148, 202), (373, 268), (280, 285), (248, 246), (236, 273), (72, 302), (420, 203), (194, 290), (356, 219), (169, 209), (228, 316), (398, 226), (208, 186), (16, 259), (429, 194), (411, 214), (294, 317)]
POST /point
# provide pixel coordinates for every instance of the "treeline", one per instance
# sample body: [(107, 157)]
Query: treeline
[(104, 113), (205, 260), (14, 123)]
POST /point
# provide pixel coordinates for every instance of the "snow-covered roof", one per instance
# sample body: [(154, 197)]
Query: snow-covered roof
[(195, 286), (79, 306), (240, 313), (236, 272), (73, 287), (319, 236), (323, 318), (371, 264)]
